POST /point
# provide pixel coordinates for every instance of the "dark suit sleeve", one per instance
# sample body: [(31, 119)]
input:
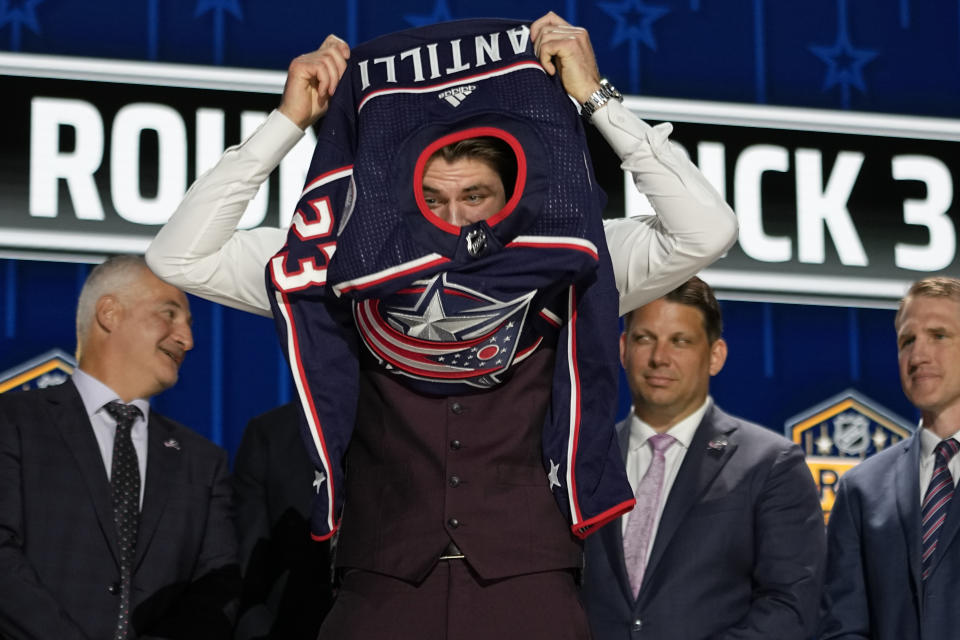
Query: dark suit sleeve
[(28, 610), (207, 607), (253, 526), (845, 614), (790, 552)]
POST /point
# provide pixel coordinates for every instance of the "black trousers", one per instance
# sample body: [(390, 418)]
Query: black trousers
[(454, 603)]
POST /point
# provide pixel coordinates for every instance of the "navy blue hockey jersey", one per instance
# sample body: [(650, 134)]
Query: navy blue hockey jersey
[(449, 309)]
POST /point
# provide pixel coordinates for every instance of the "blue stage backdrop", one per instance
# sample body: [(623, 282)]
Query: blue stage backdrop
[(856, 56)]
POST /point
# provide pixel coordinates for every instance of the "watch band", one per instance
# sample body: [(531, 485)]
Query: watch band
[(600, 97)]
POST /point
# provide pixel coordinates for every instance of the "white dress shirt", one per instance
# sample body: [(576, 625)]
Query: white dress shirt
[(201, 251), (95, 396), (639, 456), (929, 442)]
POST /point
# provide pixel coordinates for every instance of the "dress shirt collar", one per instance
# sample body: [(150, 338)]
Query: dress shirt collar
[(929, 441), (95, 394), (683, 431)]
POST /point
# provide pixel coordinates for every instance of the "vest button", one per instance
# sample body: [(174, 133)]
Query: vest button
[(114, 588), (457, 408), (455, 445), (454, 481), (453, 522)]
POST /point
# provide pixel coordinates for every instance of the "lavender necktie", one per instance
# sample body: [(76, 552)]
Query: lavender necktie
[(636, 538)]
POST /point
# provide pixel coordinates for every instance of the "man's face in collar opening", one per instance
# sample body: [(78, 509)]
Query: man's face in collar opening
[(462, 191)]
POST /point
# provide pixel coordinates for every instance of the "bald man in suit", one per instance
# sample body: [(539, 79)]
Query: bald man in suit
[(114, 520)]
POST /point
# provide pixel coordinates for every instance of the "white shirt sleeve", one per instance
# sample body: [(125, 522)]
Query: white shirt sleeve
[(693, 226), (200, 249)]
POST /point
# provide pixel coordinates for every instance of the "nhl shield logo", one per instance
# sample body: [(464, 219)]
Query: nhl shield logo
[(840, 432), (47, 370)]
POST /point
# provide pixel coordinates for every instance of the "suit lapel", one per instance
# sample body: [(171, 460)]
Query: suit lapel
[(163, 466), (611, 535), (907, 479), (70, 418), (700, 466)]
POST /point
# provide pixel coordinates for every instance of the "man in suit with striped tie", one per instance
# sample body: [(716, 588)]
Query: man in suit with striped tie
[(114, 520), (893, 551)]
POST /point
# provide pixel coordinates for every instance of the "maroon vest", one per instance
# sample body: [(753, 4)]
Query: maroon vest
[(425, 470)]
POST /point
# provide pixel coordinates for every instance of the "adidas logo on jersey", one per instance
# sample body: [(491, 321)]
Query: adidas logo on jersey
[(457, 95)]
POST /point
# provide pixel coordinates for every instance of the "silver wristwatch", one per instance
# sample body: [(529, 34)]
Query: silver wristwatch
[(599, 98)]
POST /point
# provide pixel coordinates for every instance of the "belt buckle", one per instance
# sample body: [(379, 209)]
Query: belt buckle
[(452, 552)]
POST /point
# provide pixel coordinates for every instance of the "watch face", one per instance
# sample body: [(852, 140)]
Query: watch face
[(610, 90)]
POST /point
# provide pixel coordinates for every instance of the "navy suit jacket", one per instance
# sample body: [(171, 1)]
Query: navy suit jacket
[(873, 587), (287, 583), (739, 550), (59, 570)]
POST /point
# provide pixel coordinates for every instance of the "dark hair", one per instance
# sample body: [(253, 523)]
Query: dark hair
[(697, 294), (491, 150), (933, 287)]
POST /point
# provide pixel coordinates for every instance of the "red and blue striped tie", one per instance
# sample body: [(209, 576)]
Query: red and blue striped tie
[(935, 503)]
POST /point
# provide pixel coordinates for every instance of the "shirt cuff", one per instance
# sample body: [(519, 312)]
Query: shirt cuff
[(621, 128), (273, 139)]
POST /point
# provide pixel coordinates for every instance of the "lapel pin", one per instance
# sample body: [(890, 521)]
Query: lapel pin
[(172, 444), (717, 445)]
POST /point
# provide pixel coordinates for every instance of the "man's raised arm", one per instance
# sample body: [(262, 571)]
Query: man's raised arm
[(200, 249), (693, 226)]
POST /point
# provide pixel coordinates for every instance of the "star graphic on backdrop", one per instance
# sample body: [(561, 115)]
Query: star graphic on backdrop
[(634, 20), (905, 14), (879, 439), (230, 6), (441, 13), (824, 443), (552, 476), (17, 15), (434, 324), (319, 478), (219, 9), (844, 61)]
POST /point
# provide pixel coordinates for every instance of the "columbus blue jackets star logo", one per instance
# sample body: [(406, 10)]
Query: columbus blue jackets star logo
[(440, 331), (433, 323)]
